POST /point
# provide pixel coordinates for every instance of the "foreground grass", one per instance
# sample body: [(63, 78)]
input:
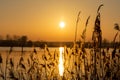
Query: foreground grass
[(78, 65)]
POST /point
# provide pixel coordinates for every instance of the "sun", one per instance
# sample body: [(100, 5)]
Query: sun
[(62, 24)]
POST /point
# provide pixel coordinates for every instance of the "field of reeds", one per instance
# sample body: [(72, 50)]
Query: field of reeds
[(43, 65), (76, 63)]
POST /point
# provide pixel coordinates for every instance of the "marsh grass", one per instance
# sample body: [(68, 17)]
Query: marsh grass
[(79, 63)]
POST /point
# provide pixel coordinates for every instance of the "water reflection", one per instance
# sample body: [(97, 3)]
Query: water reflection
[(61, 61)]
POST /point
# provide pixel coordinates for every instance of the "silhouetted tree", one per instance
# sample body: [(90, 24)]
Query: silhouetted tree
[(105, 43), (16, 38), (23, 41), (1, 37), (29, 43), (8, 37)]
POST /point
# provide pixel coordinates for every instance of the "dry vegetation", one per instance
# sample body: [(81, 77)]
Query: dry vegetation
[(79, 63)]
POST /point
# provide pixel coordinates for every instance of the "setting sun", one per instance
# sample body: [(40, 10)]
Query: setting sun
[(62, 24)]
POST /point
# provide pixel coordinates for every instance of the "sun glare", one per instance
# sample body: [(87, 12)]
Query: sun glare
[(62, 24)]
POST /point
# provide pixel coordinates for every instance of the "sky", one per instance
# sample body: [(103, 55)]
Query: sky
[(39, 19)]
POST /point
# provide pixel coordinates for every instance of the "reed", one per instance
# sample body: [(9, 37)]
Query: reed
[(45, 67), (38, 65)]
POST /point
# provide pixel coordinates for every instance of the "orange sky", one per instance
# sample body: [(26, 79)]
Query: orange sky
[(39, 19)]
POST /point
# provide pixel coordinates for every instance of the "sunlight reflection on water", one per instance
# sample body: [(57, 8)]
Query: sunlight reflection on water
[(61, 61)]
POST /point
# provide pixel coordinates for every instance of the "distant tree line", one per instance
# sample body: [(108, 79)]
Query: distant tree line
[(22, 41), (19, 41)]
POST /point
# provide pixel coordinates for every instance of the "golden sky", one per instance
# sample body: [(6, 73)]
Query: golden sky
[(39, 19)]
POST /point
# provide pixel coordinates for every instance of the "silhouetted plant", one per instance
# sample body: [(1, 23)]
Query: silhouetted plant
[(116, 27)]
